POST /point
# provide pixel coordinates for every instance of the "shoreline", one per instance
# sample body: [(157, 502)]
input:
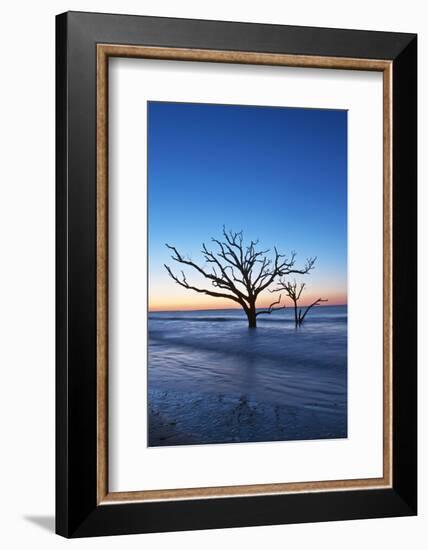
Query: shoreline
[(192, 418)]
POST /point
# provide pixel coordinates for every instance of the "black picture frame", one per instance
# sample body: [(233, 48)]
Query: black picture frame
[(77, 511)]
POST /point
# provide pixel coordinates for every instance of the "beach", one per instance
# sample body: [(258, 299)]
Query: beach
[(213, 380)]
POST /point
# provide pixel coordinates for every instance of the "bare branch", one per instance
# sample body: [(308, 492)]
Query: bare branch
[(183, 282), (270, 309), (317, 302)]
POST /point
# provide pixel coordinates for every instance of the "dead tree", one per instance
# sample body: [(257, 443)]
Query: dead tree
[(239, 272), (294, 292)]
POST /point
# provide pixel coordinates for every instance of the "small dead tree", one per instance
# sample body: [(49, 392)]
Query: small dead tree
[(239, 272), (293, 291)]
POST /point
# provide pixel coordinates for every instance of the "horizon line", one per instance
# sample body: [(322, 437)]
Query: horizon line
[(236, 308)]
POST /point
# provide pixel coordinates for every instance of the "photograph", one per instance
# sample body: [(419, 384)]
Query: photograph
[(247, 269)]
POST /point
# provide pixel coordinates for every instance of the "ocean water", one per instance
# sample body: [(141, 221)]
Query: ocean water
[(213, 380)]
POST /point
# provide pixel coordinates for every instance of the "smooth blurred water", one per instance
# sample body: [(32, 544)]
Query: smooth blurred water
[(214, 352)]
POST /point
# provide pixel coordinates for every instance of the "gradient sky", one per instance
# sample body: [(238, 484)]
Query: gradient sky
[(278, 174)]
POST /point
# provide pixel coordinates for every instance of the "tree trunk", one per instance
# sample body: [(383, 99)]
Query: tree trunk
[(296, 319), (251, 314)]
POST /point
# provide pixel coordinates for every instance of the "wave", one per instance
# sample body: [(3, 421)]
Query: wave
[(287, 350), (208, 319), (202, 319)]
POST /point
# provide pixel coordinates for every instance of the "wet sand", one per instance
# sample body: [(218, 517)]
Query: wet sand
[(189, 418)]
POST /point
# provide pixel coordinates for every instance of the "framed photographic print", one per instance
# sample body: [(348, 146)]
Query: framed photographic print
[(236, 242)]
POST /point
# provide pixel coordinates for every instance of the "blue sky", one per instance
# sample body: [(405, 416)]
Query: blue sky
[(278, 174)]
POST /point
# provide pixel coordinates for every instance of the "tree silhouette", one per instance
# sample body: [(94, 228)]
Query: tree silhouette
[(294, 292), (239, 272)]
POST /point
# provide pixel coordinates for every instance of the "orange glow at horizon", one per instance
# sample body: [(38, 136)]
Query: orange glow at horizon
[(196, 302)]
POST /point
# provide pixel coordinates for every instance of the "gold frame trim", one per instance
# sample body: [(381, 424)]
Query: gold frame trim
[(104, 51)]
